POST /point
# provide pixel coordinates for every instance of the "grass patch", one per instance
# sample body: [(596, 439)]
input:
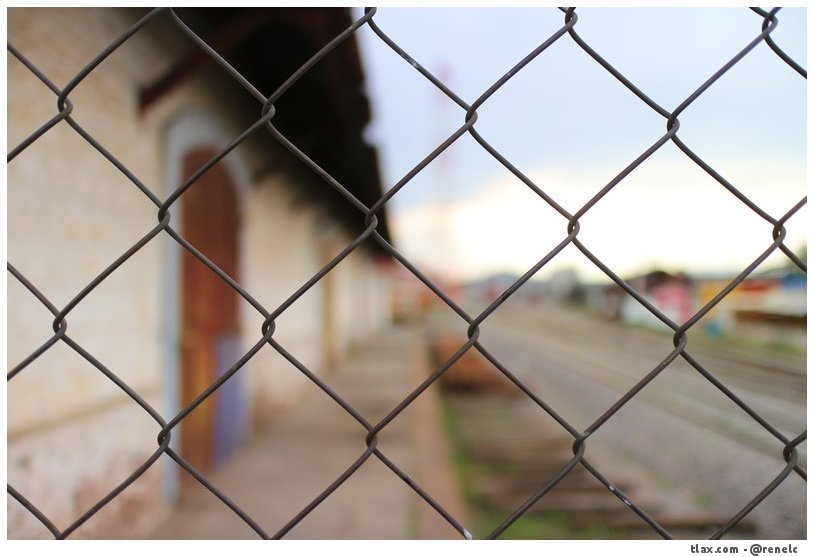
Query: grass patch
[(461, 463), (486, 518), (551, 526)]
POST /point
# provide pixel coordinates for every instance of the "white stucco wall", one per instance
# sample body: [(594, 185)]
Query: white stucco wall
[(71, 214), (282, 253), (72, 434)]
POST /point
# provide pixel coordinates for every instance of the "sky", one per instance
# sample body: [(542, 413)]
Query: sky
[(569, 126)]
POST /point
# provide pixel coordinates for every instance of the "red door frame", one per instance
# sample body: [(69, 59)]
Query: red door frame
[(209, 306)]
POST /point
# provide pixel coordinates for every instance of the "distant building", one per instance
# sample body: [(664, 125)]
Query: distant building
[(163, 322), (489, 288), (768, 307), (673, 295)]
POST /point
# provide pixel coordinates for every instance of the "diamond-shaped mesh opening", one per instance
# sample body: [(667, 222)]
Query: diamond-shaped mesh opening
[(665, 194), (37, 98), (635, 56), (82, 449), (115, 215), (698, 490)]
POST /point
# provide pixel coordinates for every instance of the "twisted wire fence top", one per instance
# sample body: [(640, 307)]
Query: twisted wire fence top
[(370, 216)]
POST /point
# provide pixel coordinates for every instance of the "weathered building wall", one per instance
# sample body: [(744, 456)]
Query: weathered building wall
[(282, 254), (277, 267), (72, 434)]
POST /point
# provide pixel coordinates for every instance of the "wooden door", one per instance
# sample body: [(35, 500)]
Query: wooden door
[(209, 312)]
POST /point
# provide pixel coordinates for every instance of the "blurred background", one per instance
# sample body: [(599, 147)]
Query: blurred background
[(151, 116)]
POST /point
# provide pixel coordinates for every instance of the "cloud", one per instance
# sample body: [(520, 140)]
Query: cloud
[(667, 213)]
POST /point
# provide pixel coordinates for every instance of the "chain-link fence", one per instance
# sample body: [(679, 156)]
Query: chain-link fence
[(370, 214)]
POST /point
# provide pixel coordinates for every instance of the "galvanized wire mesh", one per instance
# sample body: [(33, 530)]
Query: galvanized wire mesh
[(369, 215)]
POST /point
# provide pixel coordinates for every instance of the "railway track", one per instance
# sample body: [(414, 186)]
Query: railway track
[(681, 429)]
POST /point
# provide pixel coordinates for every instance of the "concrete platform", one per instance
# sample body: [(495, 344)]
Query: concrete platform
[(285, 467)]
